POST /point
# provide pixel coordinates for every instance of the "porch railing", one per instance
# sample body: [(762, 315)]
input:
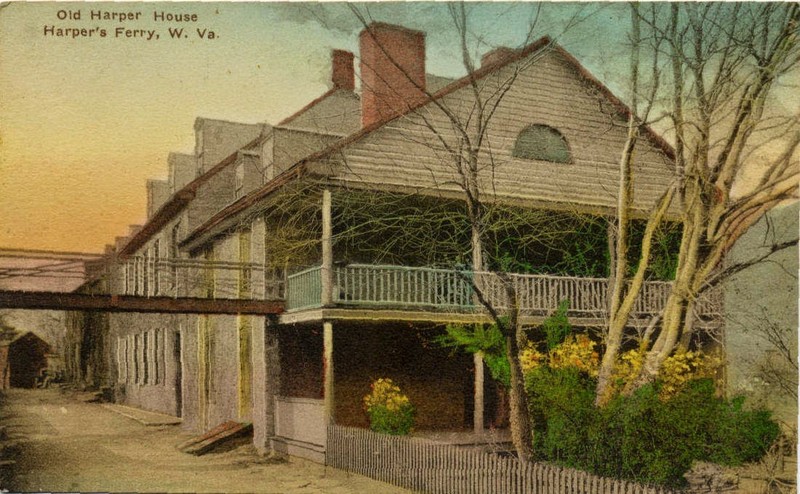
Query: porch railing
[(401, 286), (304, 289)]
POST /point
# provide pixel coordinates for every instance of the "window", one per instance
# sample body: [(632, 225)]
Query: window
[(540, 142), (146, 273), (136, 275), (121, 364), (136, 359), (127, 276), (145, 357), (245, 272), (156, 256), (173, 256), (130, 360), (239, 181), (156, 366)]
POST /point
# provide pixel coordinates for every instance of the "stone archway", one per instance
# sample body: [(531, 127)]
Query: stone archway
[(27, 357)]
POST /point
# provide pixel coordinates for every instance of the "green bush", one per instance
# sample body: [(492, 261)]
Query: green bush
[(561, 403), (393, 422), (641, 437), (389, 410), (557, 326)]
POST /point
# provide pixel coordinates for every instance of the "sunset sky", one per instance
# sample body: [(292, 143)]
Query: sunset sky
[(85, 121)]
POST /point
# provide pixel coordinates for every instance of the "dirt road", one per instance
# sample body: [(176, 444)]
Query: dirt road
[(68, 445)]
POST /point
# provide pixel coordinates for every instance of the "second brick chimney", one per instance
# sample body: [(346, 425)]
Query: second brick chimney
[(342, 74), (392, 71)]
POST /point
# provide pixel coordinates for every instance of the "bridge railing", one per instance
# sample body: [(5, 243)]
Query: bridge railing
[(149, 277)]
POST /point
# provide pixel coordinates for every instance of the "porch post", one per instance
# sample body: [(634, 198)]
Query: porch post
[(327, 355), (477, 414), (266, 375), (327, 249)]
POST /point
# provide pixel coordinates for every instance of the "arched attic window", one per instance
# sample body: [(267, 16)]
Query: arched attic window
[(541, 142)]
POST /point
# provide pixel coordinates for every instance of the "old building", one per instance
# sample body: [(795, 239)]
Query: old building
[(761, 316), (290, 212)]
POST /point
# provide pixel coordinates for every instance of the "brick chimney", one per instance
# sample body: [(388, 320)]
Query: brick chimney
[(499, 54), (342, 74), (387, 90)]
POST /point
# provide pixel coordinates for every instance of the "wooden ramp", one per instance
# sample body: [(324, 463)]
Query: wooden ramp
[(217, 436), (144, 417)]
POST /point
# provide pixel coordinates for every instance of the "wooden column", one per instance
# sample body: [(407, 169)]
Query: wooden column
[(327, 249), (266, 380), (477, 414), (477, 268), (202, 372), (327, 355)]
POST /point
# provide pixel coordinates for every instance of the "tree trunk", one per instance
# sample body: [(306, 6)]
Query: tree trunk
[(520, 418), (624, 302), (675, 310), (501, 413)]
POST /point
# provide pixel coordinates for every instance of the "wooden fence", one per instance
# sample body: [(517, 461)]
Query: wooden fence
[(427, 466)]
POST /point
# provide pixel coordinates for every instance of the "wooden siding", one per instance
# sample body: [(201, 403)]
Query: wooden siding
[(339, 112), (217, 139), (251, 173), (405, 153), (291, 145), (182, 170), (158, 191), (211, 196), (427, 466), (300, 419)]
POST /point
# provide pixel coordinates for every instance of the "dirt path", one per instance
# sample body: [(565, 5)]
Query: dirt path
[(68, 445)]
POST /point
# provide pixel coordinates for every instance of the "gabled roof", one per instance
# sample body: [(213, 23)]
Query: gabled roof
[(174, 205), (32, 337), (300, 168)]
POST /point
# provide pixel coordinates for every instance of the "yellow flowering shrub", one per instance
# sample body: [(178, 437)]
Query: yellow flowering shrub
[(684, 366), (580, 352), (628, 366), (576, 351), (530, 358), (390, 411), (677, 369)]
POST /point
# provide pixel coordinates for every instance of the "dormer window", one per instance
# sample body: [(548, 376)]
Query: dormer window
[(541, 142)]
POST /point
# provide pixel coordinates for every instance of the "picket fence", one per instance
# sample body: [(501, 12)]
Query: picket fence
[(427, 466)]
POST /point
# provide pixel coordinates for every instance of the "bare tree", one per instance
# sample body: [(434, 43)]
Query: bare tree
[(725, 69), (460, 137)]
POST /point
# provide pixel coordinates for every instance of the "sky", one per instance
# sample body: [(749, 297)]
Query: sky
[(85, 121)]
